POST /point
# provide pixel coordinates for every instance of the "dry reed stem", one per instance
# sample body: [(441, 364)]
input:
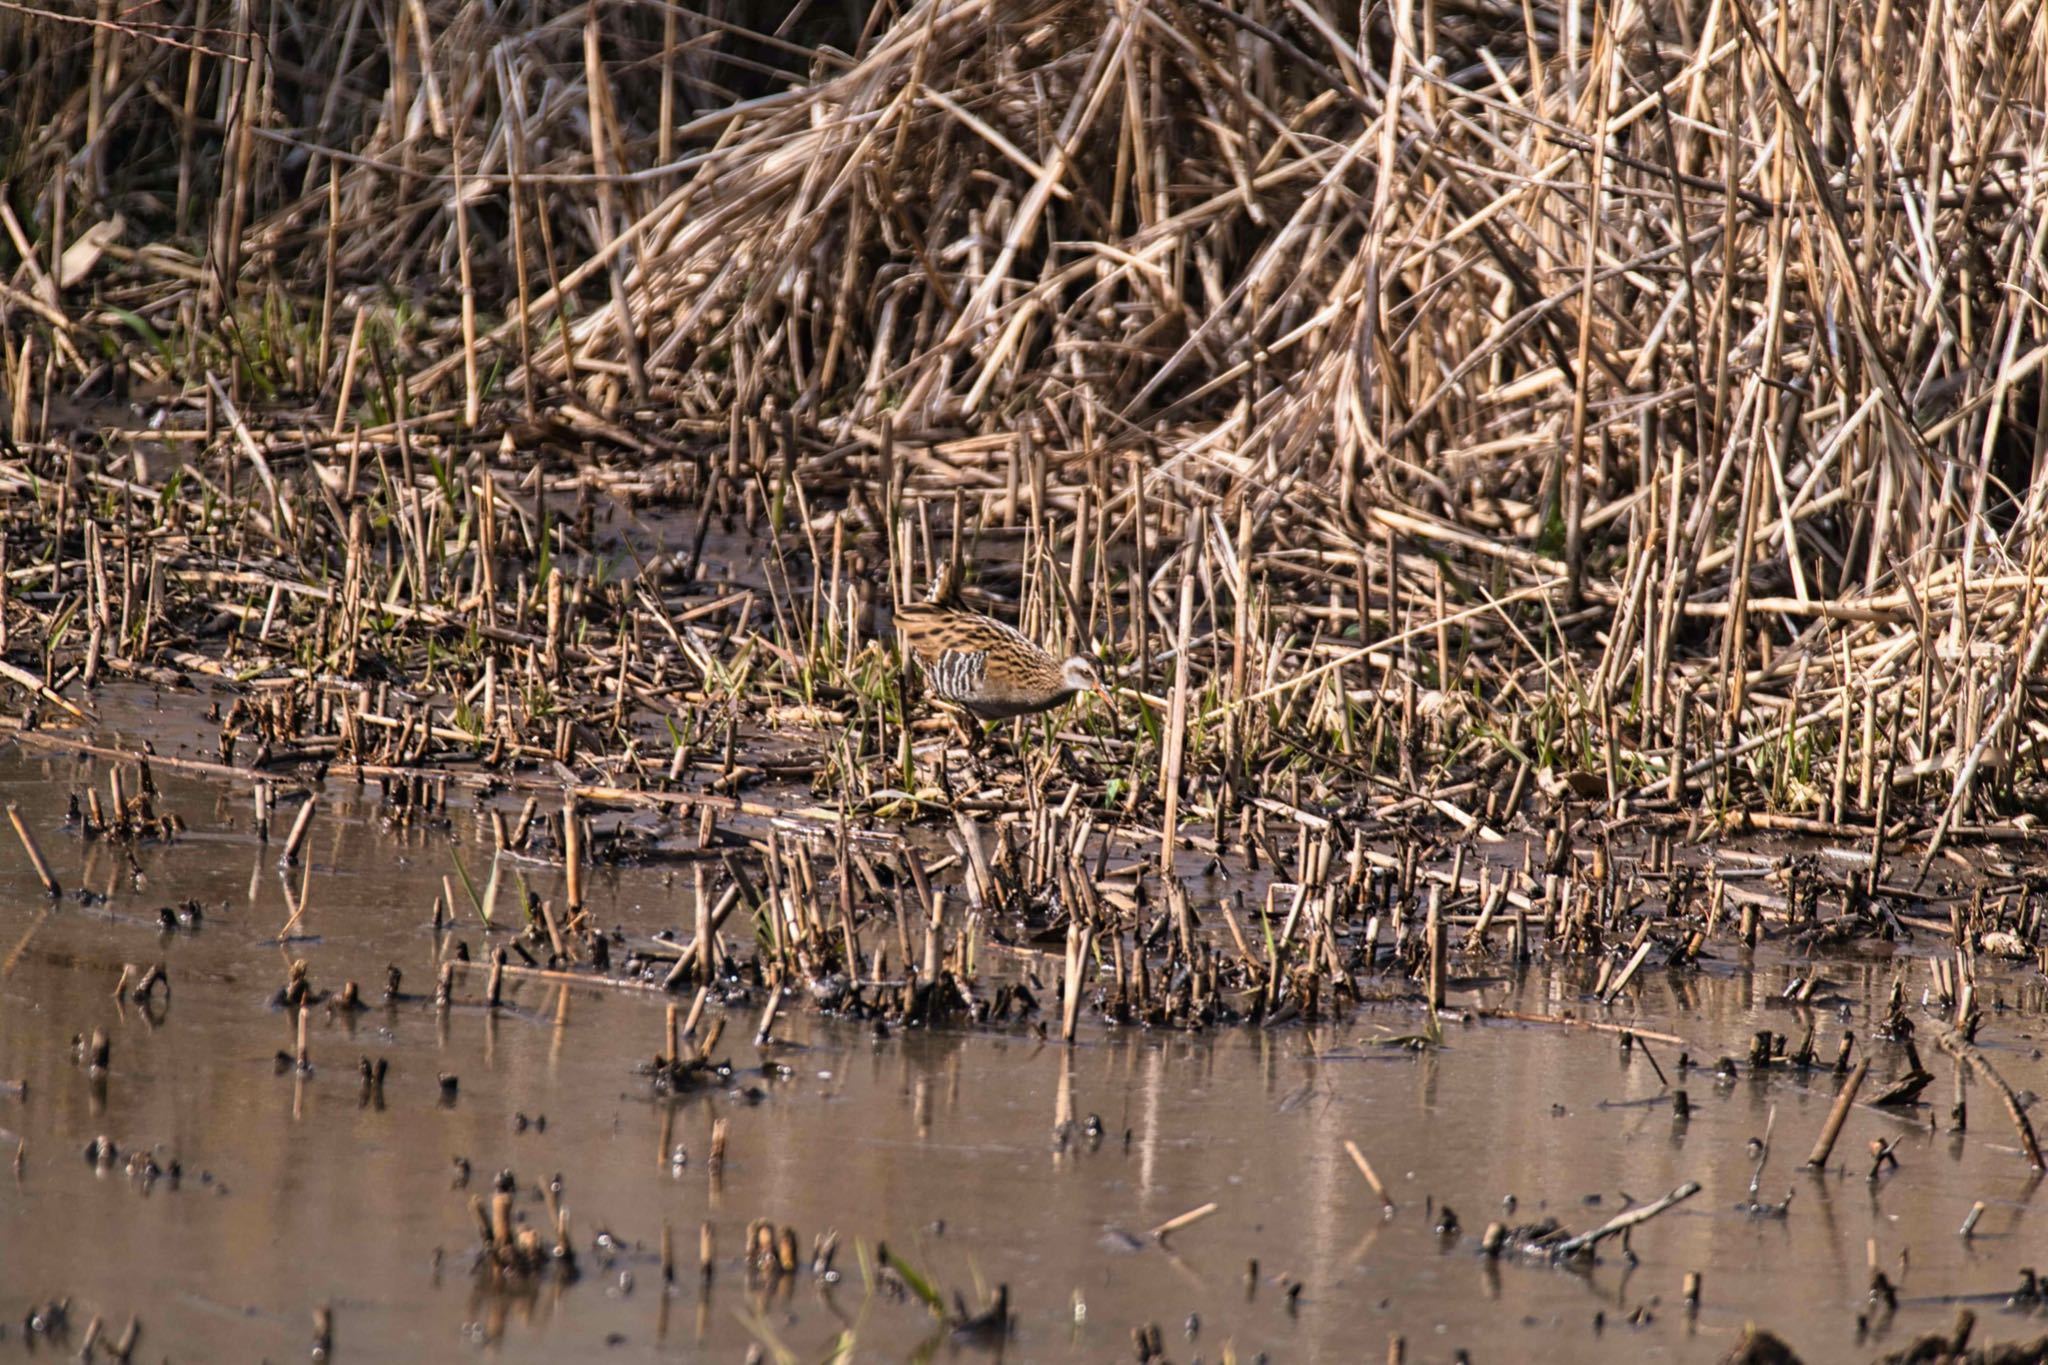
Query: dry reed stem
[(1643, 412)]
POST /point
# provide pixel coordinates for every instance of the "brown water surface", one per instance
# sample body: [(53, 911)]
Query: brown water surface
[(294, 1192)]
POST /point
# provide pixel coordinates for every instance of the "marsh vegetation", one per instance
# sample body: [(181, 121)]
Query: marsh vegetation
[(1553, 493)]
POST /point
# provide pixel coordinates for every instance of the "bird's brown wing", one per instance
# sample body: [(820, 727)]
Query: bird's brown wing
[(931, 631), (949, 646)]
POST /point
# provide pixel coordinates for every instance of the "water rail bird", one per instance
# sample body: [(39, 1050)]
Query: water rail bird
[(988, 669)]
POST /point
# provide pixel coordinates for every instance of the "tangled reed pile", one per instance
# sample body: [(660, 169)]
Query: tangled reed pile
[(1635, 402)]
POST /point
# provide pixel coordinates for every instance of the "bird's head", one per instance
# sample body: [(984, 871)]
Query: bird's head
[(1078, 674)]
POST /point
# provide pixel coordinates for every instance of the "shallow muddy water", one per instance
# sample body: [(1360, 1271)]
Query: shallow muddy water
[(296, 1192)]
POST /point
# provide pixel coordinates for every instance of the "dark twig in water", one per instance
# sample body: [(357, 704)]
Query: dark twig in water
[(1621, 1223), (1968, 1053), (1549, 1240)]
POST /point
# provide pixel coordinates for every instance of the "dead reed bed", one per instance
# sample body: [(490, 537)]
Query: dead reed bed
[(1647, 398), (1485, 445), (1484, 417)]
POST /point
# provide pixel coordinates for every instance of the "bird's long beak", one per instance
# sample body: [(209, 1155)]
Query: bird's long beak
[(1102, 691)]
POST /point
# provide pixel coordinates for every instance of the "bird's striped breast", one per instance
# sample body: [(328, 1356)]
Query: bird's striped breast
[(958, 675)]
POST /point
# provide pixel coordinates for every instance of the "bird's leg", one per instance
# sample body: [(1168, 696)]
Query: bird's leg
[(965, 727), (975, 734)]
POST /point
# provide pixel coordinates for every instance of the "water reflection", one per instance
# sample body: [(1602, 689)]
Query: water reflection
[(980, 1159)]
